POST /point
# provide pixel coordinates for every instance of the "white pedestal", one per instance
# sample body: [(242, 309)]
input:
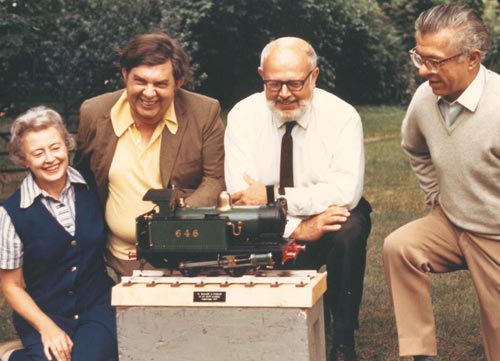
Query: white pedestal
[(222, 318)]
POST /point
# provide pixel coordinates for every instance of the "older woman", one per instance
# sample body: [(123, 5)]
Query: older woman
[(52, 271)]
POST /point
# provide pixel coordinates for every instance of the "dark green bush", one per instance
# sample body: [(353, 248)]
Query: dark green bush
[(65, 50), (359, 55)]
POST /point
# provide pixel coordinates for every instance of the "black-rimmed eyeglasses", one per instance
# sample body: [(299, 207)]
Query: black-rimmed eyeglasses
[(432, 65), (292, 85)]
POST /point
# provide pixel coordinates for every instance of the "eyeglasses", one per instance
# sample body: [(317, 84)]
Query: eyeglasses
[(292, 85), (432, 65)]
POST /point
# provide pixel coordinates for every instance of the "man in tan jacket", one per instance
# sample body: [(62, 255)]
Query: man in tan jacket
[(152, 134)]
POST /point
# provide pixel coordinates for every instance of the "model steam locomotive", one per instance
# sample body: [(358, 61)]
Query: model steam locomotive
[(231, 238)]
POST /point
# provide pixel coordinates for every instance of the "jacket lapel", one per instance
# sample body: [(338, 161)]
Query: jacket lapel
[(170, 143), (107, 140)]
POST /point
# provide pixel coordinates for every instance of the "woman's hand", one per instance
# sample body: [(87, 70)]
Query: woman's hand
[(56, 342)]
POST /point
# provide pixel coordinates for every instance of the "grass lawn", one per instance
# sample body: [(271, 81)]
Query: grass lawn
[(392, 189)]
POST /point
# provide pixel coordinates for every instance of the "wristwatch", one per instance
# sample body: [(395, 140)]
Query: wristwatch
[(281, 202), (275, 197)]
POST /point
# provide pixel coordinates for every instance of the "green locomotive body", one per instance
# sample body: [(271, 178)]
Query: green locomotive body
[(190, 239)]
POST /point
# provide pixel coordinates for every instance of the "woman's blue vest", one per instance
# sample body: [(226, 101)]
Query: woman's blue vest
[(64, 274)]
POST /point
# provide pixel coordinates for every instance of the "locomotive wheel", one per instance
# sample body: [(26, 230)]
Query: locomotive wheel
[(237, 272), (189, 272)]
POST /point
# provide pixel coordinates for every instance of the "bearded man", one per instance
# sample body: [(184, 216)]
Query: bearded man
[(308, 145)]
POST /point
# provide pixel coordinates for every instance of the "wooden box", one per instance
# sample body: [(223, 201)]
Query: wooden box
[(275, 316)]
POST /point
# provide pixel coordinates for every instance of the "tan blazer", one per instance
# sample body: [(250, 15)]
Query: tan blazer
[(191, 159)]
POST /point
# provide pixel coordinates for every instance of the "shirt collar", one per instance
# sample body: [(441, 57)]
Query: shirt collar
[(30, 190), (121, 116), (469, 99)]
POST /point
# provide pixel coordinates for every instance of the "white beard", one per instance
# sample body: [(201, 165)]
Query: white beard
[(289, 115)]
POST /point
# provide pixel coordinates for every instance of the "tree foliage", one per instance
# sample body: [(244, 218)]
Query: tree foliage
[(354, 43), (403, 14), (65, 49), (492, 19)]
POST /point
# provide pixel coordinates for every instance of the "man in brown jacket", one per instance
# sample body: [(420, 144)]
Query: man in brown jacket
[(152, 134)]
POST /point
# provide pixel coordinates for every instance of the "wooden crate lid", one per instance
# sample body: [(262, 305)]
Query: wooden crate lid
[(295, 289)]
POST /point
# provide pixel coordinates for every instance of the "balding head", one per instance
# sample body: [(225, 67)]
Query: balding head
[(297, 46), (289, 72)]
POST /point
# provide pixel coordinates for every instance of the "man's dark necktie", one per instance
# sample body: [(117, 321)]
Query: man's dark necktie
[(286, 164)]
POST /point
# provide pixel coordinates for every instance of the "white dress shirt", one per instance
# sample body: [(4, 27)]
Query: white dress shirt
[(328, 163)]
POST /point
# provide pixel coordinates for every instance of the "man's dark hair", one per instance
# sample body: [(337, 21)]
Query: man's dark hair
[(154, 49)]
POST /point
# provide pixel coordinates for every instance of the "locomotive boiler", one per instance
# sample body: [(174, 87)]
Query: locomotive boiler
[(225, 237)]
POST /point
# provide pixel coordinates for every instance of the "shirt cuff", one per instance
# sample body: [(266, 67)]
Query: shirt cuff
[(291, 224)]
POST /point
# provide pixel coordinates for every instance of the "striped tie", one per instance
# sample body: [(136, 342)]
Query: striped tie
[(63, 216)]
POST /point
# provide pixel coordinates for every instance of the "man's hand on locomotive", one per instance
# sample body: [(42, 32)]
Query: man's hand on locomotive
[(254, 195), (308, 230), (314, 228)]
